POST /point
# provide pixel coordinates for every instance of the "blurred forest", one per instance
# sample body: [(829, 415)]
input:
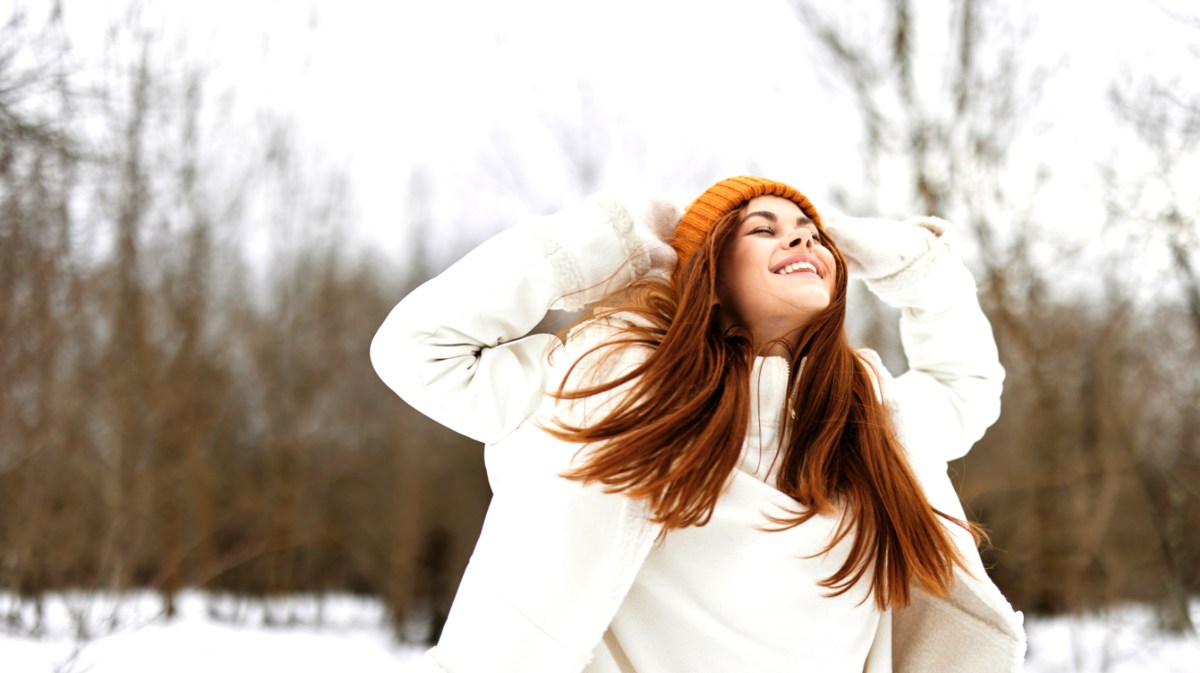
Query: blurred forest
[(176, 413)]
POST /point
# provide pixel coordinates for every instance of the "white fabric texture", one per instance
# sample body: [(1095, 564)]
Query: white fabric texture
[(878, 248), (555, 560), (730, 596)]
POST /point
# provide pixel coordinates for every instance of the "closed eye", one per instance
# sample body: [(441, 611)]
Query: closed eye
[(763, 229)]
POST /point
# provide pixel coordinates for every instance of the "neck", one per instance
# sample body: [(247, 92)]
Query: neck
[(775, 337), (775, 347), (782, 343)]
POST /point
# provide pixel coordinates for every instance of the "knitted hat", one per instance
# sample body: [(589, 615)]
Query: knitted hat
[(723, 197)]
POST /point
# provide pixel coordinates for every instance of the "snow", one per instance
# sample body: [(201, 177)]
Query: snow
[(210, 633), (1120, 641), (306, 633)]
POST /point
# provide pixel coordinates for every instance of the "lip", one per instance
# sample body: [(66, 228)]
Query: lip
[(791, 259)]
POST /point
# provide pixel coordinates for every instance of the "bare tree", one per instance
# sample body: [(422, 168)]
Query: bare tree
[(1157, 199), (1072, 466)]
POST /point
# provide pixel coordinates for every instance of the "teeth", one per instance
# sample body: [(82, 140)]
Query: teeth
[(796, 266)]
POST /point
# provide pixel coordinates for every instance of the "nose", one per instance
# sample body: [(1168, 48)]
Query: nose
[(800, 237)]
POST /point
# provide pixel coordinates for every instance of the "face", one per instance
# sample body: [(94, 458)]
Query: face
[(775, 272)]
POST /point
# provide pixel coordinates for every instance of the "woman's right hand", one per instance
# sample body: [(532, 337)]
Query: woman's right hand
[(459, 348), (633, 242)]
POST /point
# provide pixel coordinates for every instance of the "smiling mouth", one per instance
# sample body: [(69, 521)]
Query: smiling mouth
[(797, 266)]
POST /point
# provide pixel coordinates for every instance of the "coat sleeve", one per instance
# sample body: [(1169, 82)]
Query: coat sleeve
[(951, 393), (458, 347)]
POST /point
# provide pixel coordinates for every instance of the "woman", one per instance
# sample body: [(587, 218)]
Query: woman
[(704, 476)]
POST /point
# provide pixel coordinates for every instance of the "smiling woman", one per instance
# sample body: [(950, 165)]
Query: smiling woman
[(776, 273), (703, 474)]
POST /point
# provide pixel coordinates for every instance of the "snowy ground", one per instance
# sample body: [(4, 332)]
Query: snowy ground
[(209, 633), (1119, 641), (338, 633)]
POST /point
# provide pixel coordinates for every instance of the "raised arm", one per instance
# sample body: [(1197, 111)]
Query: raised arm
[(456, 348), (951, 393)]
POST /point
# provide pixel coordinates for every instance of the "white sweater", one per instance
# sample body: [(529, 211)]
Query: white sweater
[(556, 560), (752, 602)]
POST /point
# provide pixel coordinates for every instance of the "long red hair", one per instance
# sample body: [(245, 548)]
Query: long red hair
[(675, 433)]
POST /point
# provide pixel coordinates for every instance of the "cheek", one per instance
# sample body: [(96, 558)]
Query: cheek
[(727, 294), (730, 272), (831, 263)]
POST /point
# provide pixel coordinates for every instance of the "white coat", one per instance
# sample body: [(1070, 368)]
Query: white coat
[(555, 558)]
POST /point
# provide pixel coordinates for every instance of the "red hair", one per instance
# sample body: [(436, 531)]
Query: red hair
[(674, 435)]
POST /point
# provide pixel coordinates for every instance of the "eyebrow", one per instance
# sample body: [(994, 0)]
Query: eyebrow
[(801, 221)]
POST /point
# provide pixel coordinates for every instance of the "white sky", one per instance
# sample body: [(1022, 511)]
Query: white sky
[(685, 92)]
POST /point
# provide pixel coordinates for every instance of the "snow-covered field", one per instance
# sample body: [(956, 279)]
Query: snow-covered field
[(1119, 641), (339, 633), (209, 634)]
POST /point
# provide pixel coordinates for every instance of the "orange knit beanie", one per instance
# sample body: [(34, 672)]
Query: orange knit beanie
[(723, 197)]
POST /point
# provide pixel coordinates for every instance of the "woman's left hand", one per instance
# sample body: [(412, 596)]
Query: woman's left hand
[(877, 248)]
